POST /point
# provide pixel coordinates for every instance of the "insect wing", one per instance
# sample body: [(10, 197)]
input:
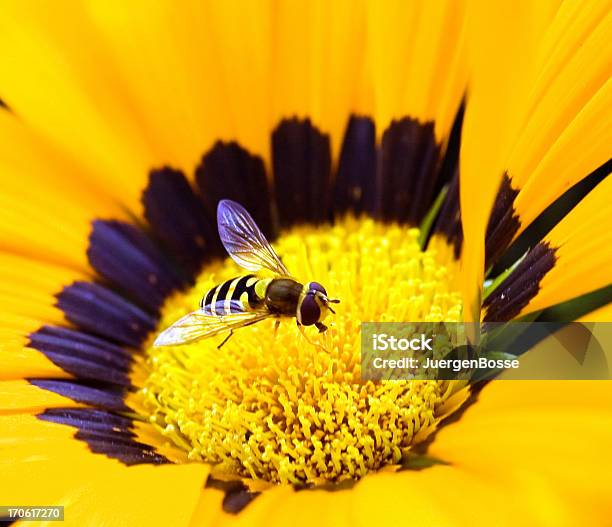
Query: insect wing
[(199, 325), (243, 240)]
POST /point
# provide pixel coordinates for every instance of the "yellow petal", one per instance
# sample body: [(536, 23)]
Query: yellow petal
[(47, 199), (29, 287), (23, 397), (209, 510), (239, 35), (194, 71), (503, 46), (280, 506), (42, 464), (27, 301), (581, 148), (568, 131), (546, 442), (18, 361), (603, 314), (583, 251), (58, 76), (415, 60), (317, 57), (439, 495)]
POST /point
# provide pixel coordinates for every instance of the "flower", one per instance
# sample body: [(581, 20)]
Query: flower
[(432, 134)]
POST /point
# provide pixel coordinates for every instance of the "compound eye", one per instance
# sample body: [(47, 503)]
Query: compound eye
[(316, 286), (309, 310)]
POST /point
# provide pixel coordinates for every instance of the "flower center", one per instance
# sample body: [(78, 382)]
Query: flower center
[(275, 407)]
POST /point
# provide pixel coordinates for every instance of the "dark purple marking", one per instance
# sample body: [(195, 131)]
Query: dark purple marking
[(515, 292), (84, 356), (124, 255), (98, 310), (228, 171), (236, 500), (503, 223), (128, 455), (448, 222), (450, 162), (87, 369), (301, 159), (548, 218), (105, 433), (408, 174), (355, 182), (88, 419), (96, 394), (178, 218)]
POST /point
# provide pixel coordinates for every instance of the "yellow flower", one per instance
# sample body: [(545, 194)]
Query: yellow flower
[(400, 153)]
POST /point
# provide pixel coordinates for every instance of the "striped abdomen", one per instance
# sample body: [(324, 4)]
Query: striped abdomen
[(233, 296)]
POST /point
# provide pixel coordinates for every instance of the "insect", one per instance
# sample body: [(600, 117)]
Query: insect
[(245, 300)]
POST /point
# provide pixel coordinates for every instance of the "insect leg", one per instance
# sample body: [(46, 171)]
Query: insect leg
[(276, 326), (321, 327), (225, 339), (301, 328)]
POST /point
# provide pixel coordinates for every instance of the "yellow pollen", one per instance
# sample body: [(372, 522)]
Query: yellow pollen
[(277, 408)]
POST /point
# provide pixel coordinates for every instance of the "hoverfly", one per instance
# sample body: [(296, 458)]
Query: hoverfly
[(245, 300)]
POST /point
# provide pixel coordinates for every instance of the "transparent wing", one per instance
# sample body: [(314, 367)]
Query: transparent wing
[(199, 325), (243, 240)]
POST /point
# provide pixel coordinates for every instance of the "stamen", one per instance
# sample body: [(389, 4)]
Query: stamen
[(270, 406)]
